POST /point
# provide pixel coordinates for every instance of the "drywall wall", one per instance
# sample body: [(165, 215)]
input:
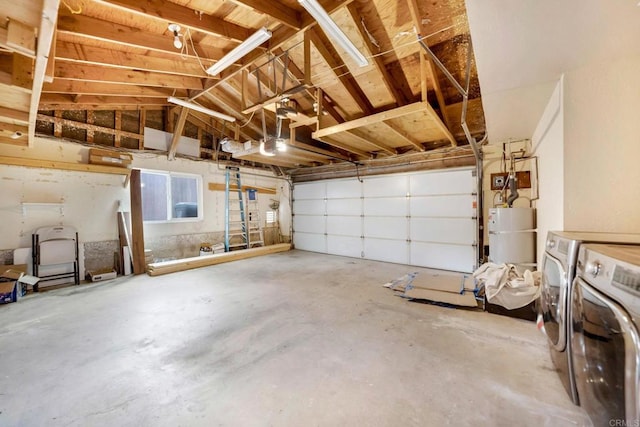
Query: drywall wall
[(602, 147), (89, 201), (548, 147)]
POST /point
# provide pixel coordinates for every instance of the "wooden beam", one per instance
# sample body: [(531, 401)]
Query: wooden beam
[(94, 73), (143, 121), (313, 149), (52, 164), (114, 33), (430, 68), (137, 226), (307, 59), (49, 73), (442, 126), (117, 124), (177, 133), (15, 116), (186, 17), (58, 122), (404, 136), (374, 118), (342, 146), (276, 10), (60, 101), (7, 130), (22, 74), (20, 37), (166, 267), (90, 88), (354, 133), (142, 61), (215, 186)]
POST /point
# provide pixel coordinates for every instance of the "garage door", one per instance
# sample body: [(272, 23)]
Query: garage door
[(425, 219)]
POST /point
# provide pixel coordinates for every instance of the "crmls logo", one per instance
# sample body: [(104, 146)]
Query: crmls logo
[(624, 423)]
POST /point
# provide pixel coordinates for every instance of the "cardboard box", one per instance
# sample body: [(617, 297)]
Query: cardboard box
[(104, 274), (109, 158), (13, 282)]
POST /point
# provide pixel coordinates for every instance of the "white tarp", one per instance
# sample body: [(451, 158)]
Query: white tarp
[(506, 287)]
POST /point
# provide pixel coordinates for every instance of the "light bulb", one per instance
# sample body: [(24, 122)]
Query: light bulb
[(177, 42)]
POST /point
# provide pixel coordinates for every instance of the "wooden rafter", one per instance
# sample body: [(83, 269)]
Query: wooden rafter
[(177, 133), (378, 60), (55, 101), (281, 35), (330, 55), (186, 17), (275, 10), (94, 73), (84, 54), (83, 87), (124, 35)]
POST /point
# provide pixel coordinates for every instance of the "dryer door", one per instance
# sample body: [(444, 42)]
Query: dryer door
[(605, 356), (553, 301)]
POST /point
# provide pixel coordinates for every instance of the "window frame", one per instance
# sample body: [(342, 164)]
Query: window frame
[(169, 214)]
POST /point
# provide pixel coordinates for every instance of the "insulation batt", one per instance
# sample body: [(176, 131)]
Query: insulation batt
[(506, 287)]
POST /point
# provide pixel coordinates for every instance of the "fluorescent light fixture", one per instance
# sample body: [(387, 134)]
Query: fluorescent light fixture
[(200, 108), (333, 31), (255, 40)]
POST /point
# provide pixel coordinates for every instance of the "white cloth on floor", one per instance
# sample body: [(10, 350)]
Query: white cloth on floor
[(506, 287)]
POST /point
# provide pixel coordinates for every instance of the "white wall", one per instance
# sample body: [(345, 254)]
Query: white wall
[(602, 147), (548, 146), (91, 199)]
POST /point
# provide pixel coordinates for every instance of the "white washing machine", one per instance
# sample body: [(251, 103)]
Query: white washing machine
[(605, 342), (558, 272)]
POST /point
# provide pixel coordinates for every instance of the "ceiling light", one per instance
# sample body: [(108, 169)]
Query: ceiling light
[(268, 148), (16, 135), (281, 144), (255, 40), (333, 31), (200, 108), (175, 29)]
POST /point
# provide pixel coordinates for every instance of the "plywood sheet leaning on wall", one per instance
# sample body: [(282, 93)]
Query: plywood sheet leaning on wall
[(159, 268)]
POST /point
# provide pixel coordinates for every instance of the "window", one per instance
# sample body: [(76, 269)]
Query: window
[(168, 196), (271, 217)]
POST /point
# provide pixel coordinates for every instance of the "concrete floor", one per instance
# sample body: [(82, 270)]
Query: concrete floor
[(285, 340)]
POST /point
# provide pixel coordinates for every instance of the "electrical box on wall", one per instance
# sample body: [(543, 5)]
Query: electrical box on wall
[(499, 180)]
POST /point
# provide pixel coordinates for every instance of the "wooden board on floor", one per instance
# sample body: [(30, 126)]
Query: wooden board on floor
[(159, 268)]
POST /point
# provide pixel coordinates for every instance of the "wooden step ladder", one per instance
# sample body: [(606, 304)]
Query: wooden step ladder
[(235, 227)]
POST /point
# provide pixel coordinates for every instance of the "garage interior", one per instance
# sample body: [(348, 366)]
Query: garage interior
[(244, 176)]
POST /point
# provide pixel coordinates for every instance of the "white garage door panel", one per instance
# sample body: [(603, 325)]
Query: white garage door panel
[(344, 207), (309, 207), (388, 186), (449, 206), (344, 189), (443, 230), (344, 226), (310, 242), (424, 218), (452, 182), (386, 250), (314, 190), (442, 256), (386, 228), (309, 223), (345, 246), (386, 206)]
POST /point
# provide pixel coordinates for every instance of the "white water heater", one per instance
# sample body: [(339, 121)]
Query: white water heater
[(512, 237)]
